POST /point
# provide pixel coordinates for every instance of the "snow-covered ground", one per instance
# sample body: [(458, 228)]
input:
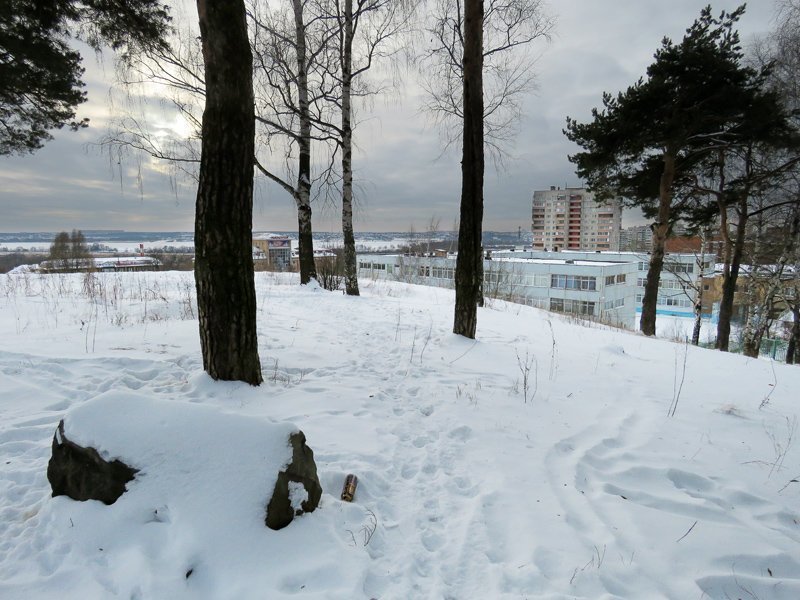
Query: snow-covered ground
[(535, 462)]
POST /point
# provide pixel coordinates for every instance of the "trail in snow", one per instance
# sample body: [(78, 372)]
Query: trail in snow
[(587, 490)]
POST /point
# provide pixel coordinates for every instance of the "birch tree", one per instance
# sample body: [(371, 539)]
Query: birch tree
[(364, 34), (290, 48), (690, 286)]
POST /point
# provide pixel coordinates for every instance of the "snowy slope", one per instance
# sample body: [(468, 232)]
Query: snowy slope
[(586, 490)]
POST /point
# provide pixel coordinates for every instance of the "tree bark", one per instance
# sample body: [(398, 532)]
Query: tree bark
[(761, 305), (698, 323), (698, 296), (308, 269), (226, 298), (793, 349), (305, 244), (731, 275), (469, 264), (661, 228), (350, 266)]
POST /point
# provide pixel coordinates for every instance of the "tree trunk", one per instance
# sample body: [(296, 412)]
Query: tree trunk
[(793, 349), (647, 322), (751, 344), (698, 323), (308, 269), (754, 314), (305, 244), (730, 276), (226, 298), (759, 315), (350, 266), (698, 296), (469, 264), (758, 319)]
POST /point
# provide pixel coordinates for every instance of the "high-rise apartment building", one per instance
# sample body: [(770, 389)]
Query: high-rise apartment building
[(638, 238), (571, 219)]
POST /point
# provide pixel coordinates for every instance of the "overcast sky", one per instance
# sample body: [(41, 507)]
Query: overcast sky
[(403, 179)]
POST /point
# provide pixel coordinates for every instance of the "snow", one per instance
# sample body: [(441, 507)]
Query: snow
[(553, 261), (587, 490)]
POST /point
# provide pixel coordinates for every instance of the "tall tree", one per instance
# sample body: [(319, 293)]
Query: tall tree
[(363, 32), (768, 276), (60, 251), (291, 48), (78, 250), (744, 174), (501, 70), (42, 76), (469, 263), (69, 251), (651, 137), (346, 69), (738, 176), (226, 298)]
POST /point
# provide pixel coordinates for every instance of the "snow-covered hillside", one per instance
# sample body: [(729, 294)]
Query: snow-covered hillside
[(472, 484)]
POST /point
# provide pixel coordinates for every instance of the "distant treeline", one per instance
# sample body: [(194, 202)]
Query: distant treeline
[(15, 259)]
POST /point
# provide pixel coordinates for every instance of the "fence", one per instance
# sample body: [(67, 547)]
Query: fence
[(770, 347)]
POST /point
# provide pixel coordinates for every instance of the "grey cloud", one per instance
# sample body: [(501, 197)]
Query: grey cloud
[(401, 174)]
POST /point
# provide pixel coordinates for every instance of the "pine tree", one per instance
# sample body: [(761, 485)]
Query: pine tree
[(226, 297), (42, 76), (646, 141)]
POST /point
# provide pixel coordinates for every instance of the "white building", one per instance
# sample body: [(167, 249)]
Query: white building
[(571, 219), (605, 285), (680, 277), (594, 287)]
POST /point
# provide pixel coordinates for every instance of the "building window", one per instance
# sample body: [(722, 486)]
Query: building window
[(373, 266), (442, 272), (578, 307), (671, 284), (679, 301), (681, 268), (492, 276), (573, 282)]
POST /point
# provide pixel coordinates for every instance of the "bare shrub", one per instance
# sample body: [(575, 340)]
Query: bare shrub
[(330, 270)]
